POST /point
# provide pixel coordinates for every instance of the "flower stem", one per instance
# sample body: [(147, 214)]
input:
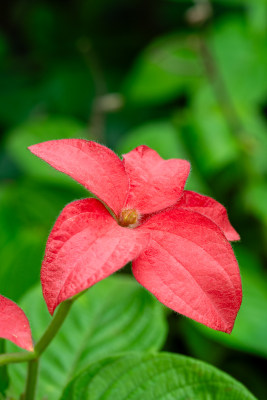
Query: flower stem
[(53, 328), (42, 344), (11, 358), (31, 379), (33, 357), (44, 341)]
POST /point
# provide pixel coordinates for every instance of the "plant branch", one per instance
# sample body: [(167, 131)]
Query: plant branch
[(53, 328), (11, 358), (220, 90), (42, 344), (33, 357), (227, 105), (32, 377)]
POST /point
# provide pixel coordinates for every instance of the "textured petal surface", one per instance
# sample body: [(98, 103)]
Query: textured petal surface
[(14, 324), (94, 166), (85, 246), (190, 267), (210, 208), (154, 183)]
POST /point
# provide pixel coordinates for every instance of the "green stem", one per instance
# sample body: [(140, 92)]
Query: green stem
[(3, 370), (33, 357), (53, 328), (42, 344), (10, 358), (232, 118), (31, 379)]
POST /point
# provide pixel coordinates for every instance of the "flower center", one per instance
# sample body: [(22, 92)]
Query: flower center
[(128, 217)]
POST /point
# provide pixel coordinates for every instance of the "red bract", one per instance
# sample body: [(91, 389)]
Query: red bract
[(14, 324), (177, 240)]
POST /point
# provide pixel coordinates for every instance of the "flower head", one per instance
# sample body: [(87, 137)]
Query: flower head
[(177, 240)]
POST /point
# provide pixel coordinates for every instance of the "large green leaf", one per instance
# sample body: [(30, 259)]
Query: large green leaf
[(255, 200), (211, 139), (160, 135), (164, 70), (254, 140), (115, 315), (154, 376), (228, 111), (243, 72), (27, 213), (40, 130)]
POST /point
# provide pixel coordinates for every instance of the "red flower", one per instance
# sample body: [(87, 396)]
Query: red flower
[(14, 324), (177, 240)]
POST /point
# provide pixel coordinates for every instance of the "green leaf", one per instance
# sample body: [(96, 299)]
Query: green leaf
[(36, 131), (250, 329), (20, 262), (166, 68), (243, 71), (154, 376), (115, 315), (211, 139), (257, 14), (4, 378), (254, 139), (255, 199), (243, 96), (27, 213), (159, 135)]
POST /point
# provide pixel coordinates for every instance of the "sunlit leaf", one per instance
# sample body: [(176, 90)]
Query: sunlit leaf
[(159, 135), (255, 199), (211, 138), (243, 71), (254, 139), (41, 130), (165, 69)]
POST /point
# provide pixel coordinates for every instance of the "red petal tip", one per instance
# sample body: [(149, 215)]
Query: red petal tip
[(14, 325)]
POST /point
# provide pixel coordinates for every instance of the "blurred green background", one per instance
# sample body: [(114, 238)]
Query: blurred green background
[(187, 78)]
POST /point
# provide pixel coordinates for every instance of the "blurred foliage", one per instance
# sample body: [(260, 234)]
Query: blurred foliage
[(249, 333), (187, 78), (114, 316)]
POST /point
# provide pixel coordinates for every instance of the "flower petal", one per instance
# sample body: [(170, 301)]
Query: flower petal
[(211, 209), (94, 166), (191, 268), (14, 324), (85, 246), (154, 183)]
